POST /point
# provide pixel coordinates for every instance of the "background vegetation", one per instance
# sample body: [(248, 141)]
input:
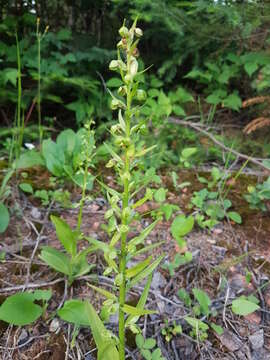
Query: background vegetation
[(209, 53)]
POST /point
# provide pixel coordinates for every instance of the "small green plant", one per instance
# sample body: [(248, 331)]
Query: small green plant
[(245, 305), (169, 331), (21, 309), (66, 157), (39, 36), (59, 196), (199, 328), (186, 154), (258, 195), (147, 348), (74, 263), (200, 306), (5, 191), (213, 206), (164, 209), (177, 186), (180, 227)]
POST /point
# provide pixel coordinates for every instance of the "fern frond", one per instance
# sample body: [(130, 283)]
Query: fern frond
[(255, 124), (254, 101)]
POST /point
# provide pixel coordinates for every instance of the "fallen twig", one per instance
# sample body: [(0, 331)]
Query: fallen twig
[(199, 128)]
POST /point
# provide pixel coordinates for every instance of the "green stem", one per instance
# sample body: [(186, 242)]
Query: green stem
[(38, 93), (83, 196), (19, 101), (125, 200)]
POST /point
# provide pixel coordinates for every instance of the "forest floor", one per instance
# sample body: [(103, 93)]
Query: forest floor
[(221, 259)]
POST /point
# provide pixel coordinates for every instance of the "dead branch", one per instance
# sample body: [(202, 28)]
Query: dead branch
[(199, 128)]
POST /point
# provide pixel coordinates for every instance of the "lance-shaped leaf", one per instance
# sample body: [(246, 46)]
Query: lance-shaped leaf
[(107, 188), (145, 151), (132, 319), (131, 310), (4, 217), (99, 245), (67, 237), (139, 239), (105, 344), (113, 154), (136, 269), (148, 196), (80, 264), (103, 292), (146, 272), (56, 260), (121, 121), (109, 251), (145, 249)]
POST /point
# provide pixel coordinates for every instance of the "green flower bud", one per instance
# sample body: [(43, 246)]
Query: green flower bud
[(138, 32), (113, 65), (119, 140), (120, 45), (131, 33), (126, 212), (123, 229), (131, 151), (133, 67), (122, 65), (128, 78), (110, 163), (141, 95), (107, 271), (114, 104), (143, 129), (112, 254), (123, 31), (125, 176), (122, 90), (108, 214), (118, 279), (115, 128)]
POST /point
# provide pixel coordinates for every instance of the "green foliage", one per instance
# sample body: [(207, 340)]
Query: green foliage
[(125, 157), (74, 263), (61, 71), (203, 300), (4, 217), (82, 313), (169, 331), (213, 206), (5, 191), (177, 186), (201, 307), (64, 158), (58, 196), (258, 195), (148, 348), (21, 309), (186, 154), (199, 328), (245, 306), (180, 227)]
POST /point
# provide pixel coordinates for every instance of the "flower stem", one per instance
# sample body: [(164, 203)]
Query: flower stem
[(125, 201)]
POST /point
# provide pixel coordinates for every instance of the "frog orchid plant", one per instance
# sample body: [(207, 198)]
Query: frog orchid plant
[(122, 248)]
